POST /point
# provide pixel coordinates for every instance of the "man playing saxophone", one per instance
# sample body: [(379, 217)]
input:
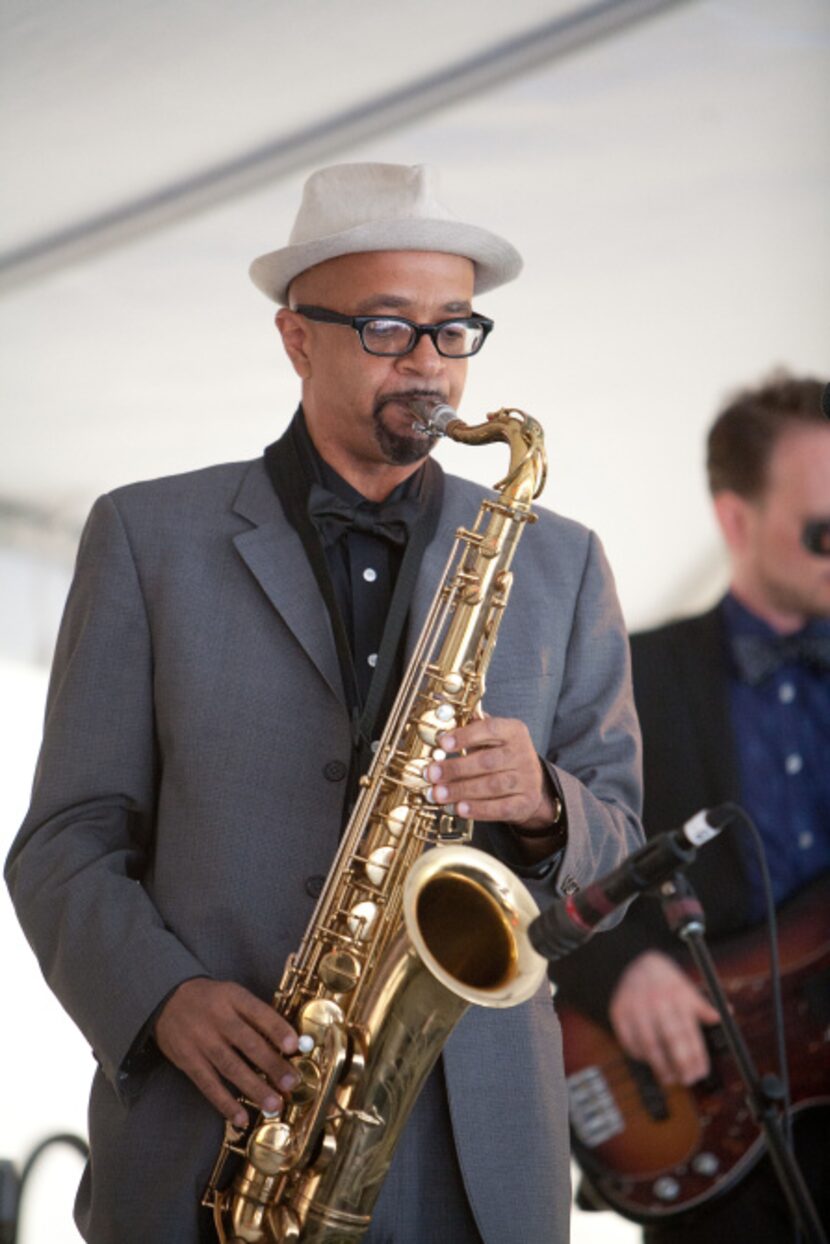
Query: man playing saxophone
[(230, 650)]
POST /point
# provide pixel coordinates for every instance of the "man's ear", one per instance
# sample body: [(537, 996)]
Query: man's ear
[(733, 513), (295, 334)]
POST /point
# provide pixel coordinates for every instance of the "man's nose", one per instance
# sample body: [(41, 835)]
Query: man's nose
[(424, 359)]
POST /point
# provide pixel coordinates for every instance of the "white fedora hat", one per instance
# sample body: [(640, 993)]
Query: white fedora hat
[(350, 208)]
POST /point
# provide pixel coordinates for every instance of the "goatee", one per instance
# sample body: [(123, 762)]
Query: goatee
[(398, 448)]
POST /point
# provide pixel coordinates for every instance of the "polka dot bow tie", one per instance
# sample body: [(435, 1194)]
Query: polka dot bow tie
[(757, 657)]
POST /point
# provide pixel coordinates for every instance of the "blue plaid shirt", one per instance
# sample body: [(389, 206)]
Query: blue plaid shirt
[(781, 729)]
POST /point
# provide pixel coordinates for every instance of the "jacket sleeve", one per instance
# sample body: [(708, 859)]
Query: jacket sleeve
[(75, 869), (593, 751)]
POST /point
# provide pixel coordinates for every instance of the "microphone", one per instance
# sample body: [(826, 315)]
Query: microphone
[(569, 922)]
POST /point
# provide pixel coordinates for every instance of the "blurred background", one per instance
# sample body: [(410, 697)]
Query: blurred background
[(663, 166)]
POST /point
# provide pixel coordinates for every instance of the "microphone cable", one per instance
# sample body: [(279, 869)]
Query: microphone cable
[(743, 817)]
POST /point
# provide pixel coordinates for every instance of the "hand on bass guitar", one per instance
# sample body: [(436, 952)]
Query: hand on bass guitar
[(654, 1138), (656, 1012)]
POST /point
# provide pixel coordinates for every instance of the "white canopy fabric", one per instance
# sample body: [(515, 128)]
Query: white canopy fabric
[(667, 182)]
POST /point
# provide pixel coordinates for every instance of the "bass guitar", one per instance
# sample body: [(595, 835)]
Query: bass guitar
[(650, 1151)]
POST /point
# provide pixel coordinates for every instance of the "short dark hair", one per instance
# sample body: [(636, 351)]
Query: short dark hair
[(748, 428)]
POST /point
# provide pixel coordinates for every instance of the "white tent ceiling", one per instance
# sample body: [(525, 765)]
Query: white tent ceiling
[(668, 185)]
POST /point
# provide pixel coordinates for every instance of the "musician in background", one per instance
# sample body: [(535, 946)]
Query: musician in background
[(734, 705)]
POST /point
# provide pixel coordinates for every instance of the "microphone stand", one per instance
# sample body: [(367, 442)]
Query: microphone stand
[(683, 912)]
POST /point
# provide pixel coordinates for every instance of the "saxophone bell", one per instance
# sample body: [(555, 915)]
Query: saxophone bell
[(466, 915)]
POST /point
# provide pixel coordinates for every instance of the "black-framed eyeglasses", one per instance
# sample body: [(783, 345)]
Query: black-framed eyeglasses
[(394, 336), (815, 536)]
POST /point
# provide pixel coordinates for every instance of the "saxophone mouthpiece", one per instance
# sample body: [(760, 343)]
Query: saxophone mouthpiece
[(432, 418)]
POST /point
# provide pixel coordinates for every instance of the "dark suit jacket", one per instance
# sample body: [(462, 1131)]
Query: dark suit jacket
[(681, 694), (190, 787)]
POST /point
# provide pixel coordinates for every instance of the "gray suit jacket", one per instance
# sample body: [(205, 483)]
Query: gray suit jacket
[(189, 790)]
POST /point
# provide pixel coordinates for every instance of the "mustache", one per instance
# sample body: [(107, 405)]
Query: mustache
[(406, 397)]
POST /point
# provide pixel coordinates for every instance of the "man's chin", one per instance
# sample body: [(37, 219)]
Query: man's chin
[(401, 443), (405, 450), (395, 428)]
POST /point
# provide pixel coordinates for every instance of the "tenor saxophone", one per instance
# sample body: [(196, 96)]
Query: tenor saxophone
[(402, 939)]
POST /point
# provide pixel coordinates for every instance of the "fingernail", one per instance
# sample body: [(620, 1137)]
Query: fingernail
[(288, 1081), (441, 794), (271, 1103), (240, 1119), (433, 772), (448, 742), (463, 809), (288, 1045)]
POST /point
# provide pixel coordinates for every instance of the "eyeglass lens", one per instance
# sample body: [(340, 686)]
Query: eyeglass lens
[(454, 339), (816, 536)]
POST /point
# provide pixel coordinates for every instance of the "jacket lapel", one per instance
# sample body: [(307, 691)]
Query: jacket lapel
[(274, 554)]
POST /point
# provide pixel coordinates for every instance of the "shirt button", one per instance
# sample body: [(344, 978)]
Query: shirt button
[(793, 763), (369, 574), (786, 693), (334, 770), (314, 885), (372, 659), (805, 840)]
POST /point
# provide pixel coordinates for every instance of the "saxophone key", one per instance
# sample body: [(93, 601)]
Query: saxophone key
[(339, 971), (270, 1149), (452, 828), (361, 920), (308, 1086), (453, 683), (436, 721), (396, 820), (378, 864), (412, 775), (317, 1016), (472, 594)]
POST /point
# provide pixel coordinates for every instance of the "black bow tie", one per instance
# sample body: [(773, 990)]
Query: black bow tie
[(332, 516), (758, 657)]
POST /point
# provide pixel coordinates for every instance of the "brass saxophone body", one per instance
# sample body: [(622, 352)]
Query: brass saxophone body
[(402, 939)]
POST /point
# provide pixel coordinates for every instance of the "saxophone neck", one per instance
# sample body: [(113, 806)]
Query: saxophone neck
[(528, 469), (526, 475)]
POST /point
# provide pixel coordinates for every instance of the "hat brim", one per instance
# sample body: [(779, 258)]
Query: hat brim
[(496, 261)]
